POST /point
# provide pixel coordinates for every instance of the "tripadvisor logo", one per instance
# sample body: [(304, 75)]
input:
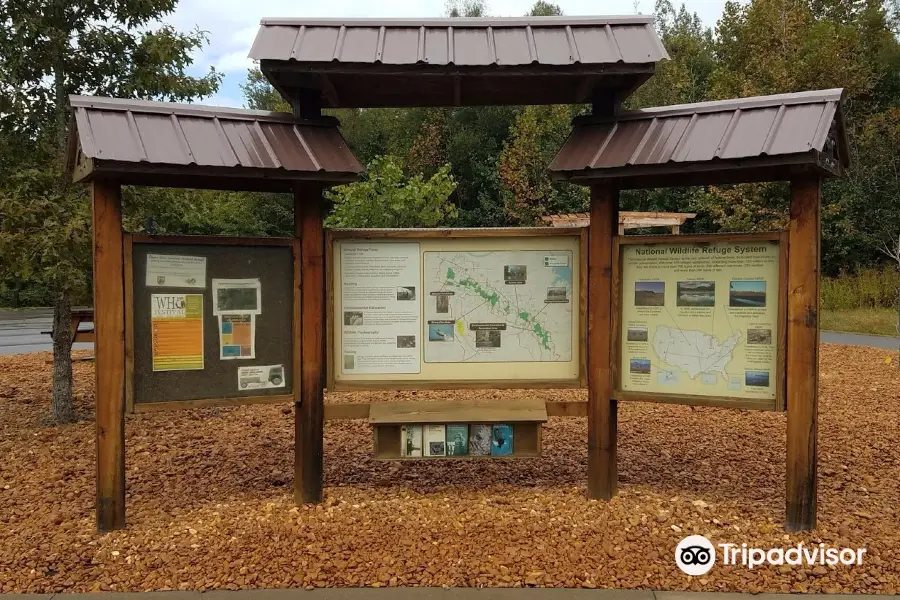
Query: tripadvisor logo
[(696, 555)]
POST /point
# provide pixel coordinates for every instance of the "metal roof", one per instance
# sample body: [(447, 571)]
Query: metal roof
[(765, 137), (482, 42), (141, 141), (628, 219), (331, 55)]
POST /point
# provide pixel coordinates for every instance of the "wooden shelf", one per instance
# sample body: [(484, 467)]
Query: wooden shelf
[(525, 417), (468, 411)]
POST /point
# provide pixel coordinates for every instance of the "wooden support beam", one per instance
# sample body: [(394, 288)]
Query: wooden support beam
[(309, 410), (602, 410), (803, 352), (307, 104), (606, 102), (109, 330)]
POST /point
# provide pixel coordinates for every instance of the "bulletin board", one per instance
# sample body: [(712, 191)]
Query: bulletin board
[(701, 320), (456, 308), (210, 321)]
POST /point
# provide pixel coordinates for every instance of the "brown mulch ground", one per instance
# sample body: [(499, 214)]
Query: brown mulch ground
[(209, 497)]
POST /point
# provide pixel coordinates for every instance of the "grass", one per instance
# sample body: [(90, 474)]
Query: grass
[(867, 288), (876, 321)]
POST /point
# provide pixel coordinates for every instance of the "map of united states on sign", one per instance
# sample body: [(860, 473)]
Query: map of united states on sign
[(694, 352)]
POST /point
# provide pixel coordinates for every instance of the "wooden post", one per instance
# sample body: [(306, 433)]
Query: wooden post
[(602, 409), (803, 352), (309, 410), (109, 330)]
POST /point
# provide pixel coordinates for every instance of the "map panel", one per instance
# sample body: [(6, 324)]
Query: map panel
[(700, 319), (498, 306)]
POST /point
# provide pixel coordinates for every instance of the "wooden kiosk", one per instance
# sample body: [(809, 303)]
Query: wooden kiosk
[(318, 64)]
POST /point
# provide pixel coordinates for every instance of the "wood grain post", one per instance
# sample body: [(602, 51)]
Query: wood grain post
[(803, 352), (109, 330), (309, 409), (602, 409)]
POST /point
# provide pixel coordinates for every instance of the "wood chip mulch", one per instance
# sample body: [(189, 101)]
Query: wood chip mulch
[(210, 507)]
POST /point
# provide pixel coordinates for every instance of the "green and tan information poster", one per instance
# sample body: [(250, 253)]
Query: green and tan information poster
[(457, 309), (700, 319)]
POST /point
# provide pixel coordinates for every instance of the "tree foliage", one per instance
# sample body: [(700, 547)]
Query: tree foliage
[(386, 197), (49, 50)]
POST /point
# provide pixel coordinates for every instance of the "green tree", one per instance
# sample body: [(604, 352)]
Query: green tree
[(534, 139), (776, 46), (542, 8), (386, 197), (466, 8), (685, 77), (48, 50)]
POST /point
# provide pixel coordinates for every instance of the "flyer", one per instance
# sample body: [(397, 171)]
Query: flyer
[(237, 296), (261, 377), (237, 336), (175, 270), (380, 307), (176, 331), (700, 319)]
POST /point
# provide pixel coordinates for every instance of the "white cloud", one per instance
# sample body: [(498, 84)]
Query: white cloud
[(223, 100), (233, 61)]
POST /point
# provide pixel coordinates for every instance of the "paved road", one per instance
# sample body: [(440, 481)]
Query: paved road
[(434, 594), (20, 332)]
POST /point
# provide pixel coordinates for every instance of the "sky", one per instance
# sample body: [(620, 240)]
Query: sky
[(232, 24)]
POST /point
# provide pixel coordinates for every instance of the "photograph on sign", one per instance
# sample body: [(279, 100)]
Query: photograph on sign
[(237, 296), (260, 377), (175, 270), (700, 319), (176, 330), (381, 309), (237, 336)]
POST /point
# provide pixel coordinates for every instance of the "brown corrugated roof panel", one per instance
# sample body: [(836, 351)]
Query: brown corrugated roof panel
[(201, 146), (765, 137), (365, 62)]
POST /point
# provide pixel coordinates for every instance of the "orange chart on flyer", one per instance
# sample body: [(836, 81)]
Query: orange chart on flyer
[(177, 332)]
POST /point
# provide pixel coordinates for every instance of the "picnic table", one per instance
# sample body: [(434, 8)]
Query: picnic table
[(82, 324)]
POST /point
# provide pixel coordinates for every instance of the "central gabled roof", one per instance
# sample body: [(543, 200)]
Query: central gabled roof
[(457, 62)]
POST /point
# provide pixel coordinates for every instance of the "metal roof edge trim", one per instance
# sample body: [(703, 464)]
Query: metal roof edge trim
[(751, 102), (811, 157), (110, 167), (183, 109), (462, 21)]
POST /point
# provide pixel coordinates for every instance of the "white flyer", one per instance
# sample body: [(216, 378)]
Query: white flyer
[(175, 270), (381, 307), (237, 297), (261, 377)]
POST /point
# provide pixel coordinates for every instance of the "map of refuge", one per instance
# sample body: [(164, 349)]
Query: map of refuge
[(498, 306)]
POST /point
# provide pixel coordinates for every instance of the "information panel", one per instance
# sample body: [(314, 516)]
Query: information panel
[(701, 318), (455, 307), (208, 320)]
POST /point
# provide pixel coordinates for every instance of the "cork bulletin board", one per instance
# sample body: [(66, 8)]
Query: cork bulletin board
[(209, 321)]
